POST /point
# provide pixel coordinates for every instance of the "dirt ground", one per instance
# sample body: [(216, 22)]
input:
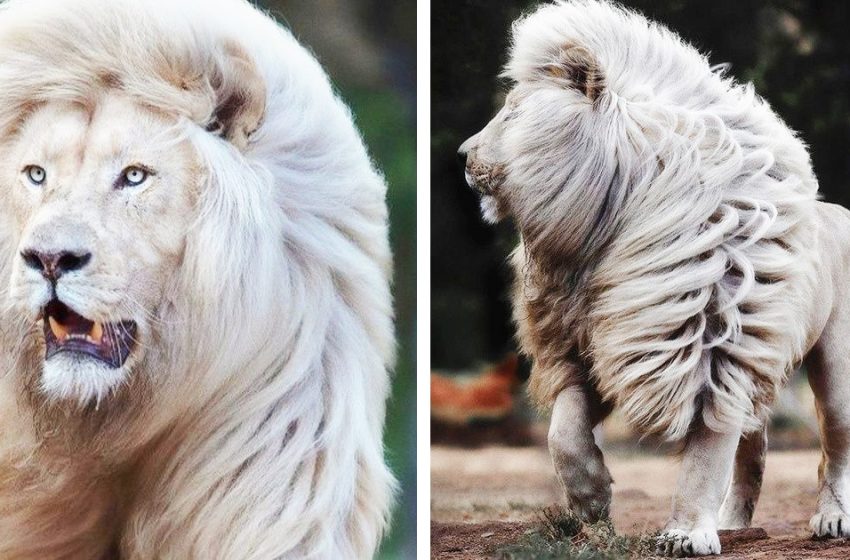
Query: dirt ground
[(485, 498)]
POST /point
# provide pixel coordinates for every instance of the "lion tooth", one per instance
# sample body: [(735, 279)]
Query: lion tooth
[(96, 332), (60, 332)]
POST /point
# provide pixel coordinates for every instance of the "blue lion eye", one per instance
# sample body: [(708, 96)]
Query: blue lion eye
[(133, 177), (35, 174)]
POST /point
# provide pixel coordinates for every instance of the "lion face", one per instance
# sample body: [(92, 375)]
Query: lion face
[(520, 161), (486, 157), (101, 198)]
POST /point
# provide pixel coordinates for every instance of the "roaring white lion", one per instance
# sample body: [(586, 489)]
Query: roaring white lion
[(197, 324), (674, 262)]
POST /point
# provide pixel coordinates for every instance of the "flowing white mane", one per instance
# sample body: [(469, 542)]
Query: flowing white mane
[(684, 209), (261, 434)]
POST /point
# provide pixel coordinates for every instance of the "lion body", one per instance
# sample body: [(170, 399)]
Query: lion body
[(693, 306), (248, 421), (674, 262)]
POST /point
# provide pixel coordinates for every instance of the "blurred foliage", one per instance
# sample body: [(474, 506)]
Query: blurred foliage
[(370, 54), (795, 52), (390, 135)]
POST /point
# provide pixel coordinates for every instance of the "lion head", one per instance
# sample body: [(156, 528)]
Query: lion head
[(524, 163), (104, 187), (195, 269)]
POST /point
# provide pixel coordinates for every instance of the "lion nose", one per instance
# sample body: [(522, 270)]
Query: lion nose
[(54, 265), (463, 151), (461, 155)]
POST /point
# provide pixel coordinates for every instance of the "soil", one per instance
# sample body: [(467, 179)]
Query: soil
[(483, 499)]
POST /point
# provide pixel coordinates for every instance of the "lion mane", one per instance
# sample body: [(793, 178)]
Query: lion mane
[(263, 436), (667, 219)]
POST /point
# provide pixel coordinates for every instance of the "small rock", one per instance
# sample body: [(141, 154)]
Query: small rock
[(738, 536)]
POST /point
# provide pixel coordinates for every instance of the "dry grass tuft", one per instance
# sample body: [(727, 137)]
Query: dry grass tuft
[(563, 536)]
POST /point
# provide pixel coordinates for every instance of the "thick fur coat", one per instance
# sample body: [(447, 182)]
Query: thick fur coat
[(666, 223), (248, 421)]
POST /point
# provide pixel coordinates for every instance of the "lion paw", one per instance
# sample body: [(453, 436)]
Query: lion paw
[(592, 505), (697, 542), (831, 524)]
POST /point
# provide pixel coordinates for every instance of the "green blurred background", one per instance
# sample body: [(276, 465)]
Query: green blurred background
[(796, 53), (368, 48)]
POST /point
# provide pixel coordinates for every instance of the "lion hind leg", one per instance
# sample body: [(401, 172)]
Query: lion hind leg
[(743, 494), (828, 368), (578, 460)]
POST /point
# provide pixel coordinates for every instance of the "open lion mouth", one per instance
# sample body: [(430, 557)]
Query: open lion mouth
[(67, 331)]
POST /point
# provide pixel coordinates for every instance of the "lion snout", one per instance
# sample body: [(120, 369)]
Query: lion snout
[(480, 174), (58, 242), (466, 157)]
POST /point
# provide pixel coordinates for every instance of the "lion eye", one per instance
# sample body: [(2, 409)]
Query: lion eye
[(133, 177), (35, 174)]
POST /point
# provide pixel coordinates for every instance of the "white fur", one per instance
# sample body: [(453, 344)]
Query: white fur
[(66, 377), (673, 262), (685, 205), (267, 354)]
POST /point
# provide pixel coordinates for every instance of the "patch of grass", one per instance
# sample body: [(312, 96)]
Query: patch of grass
[(563, 536), (559, 524)]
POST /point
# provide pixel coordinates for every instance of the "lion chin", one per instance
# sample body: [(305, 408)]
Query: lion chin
[(674, 263), (197, 319), (490, 210), (76, 376)]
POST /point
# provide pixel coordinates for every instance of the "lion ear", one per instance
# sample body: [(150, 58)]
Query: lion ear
[(240, 96), (579, 69)]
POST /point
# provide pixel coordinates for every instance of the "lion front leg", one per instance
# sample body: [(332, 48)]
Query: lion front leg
[(578, 460), (705, 474)]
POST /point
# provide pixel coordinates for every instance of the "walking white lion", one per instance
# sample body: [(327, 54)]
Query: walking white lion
[(674, 262), (197, 325)]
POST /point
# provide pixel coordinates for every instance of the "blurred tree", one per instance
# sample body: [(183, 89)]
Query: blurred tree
[(469, 307), (795, 52)]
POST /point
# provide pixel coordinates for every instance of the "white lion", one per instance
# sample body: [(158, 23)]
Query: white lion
[(197, 327), (674, 262)]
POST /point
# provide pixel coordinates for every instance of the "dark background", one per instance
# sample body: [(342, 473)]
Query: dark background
[(796, 53), (368, 48)]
